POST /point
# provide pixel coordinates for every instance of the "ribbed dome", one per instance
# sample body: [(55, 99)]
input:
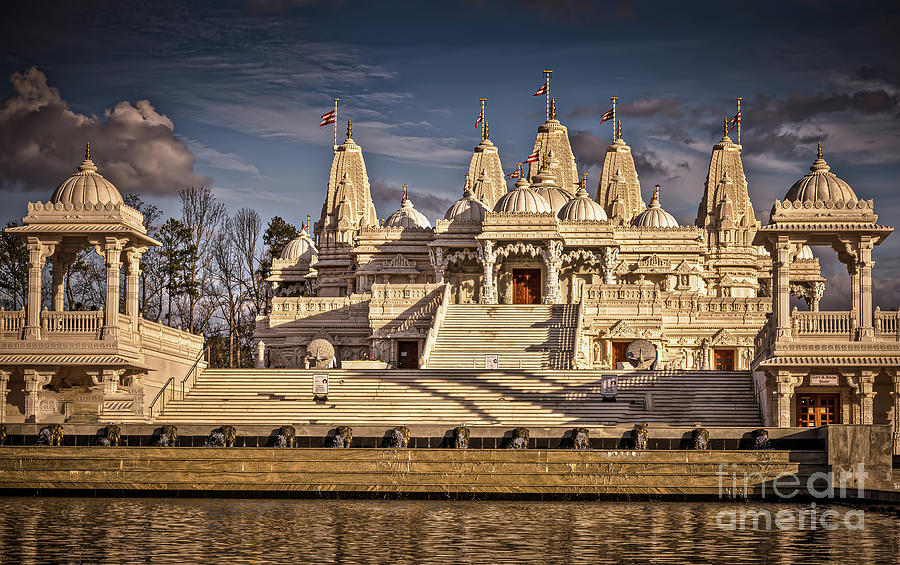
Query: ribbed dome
[(820, 185), (301, 248), (544, 183), (582, 207), (467, 209), (87, 186), (522, 199), (654, 216), (407, 216), (804, 254)]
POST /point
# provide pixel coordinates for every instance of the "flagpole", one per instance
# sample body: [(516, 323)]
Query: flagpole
[(547, 74), (613, 100), (483, 120), (739, 118), (335, 123)]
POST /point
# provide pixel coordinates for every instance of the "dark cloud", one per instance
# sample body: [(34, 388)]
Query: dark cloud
[(769, 112), (42, 141), (387, 200), (590, 150), (667, 107), (647, 162)]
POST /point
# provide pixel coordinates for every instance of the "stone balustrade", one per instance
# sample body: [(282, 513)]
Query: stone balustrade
[(163, 339), (12, 323), (827, 324), (887, 324), (72, 322)]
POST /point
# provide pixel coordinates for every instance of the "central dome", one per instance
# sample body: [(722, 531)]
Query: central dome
[(522, 200), (301, 248), (467, 209), (654, 216), (820, 185), (582, 207), (407, 216), (87, 186)]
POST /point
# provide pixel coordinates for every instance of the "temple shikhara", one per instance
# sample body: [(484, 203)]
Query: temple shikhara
[(511, 309)]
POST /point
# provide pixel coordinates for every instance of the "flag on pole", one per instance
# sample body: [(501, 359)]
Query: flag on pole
[(541, 91), (515, 174), (734, 121), (608, 115), (533, 158), (328, 118), (479, 119)]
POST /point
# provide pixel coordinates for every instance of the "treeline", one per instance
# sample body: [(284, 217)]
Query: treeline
[(207, 277)]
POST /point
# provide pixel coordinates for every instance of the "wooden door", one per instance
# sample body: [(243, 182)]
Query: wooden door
[(814, 410), (408, 355), (619, 348), (526, 286), (724, 359)]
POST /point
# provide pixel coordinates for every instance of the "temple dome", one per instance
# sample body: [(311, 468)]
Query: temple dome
[(407, 216), (522, 200), (301, 248), (654, 216), (820, 185), (87, 186), (544, 183), (582, 207), (804, 253), (467, 209)]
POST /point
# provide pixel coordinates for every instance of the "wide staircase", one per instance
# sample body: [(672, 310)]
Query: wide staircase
[(523, 336), (454, 397)]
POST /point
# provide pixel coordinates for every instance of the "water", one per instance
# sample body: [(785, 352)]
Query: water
[(119, 530)]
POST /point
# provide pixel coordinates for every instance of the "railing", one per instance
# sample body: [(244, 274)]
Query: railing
[(887, 324), (12, 323), (823, 324), (764, 339), (193, 372), (160, 398), (579, 328), (431, 337), (88, 323)]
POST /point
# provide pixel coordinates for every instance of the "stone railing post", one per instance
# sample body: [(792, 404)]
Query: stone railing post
[(4, 390)]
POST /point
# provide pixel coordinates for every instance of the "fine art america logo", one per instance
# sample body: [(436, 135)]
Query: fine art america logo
[(785, 487)]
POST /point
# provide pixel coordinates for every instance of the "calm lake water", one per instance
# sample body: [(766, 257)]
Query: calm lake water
[(111, 530)]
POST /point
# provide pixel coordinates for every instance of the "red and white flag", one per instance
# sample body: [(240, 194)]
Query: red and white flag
[(734, 121), (515, 174), (542, 90), (607, 116), (328, 118), (533, 158), (479, 119)]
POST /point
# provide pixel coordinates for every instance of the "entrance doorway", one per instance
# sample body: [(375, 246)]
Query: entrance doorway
[(724, 359), (408, 354), (814, 410), (619, 348), (526, 286)]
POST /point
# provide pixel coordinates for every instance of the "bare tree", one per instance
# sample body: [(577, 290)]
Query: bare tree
[(202, 214), (228, 265)]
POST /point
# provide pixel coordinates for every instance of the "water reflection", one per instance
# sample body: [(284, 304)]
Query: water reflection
[(79, 530)]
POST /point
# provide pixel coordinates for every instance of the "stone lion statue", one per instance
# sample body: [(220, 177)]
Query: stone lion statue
[(223, 436), (581, 438), (167, 435), (640, 436), (519, 440), (343, 437), (461, 437), (109, 436), (397, 437), (700, 439), (51, 435)]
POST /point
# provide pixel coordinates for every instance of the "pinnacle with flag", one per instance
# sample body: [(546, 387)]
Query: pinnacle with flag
[(517, 173), (328, 118), (610, 114), (541, 91), (533, 158), (479, 119), (734, 121)]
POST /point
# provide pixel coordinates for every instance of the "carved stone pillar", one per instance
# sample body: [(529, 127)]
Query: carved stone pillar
[(862, 385), (487, 280), (107, 380), (610, 256), (4, 390), (61, 262), (785, 384), (37, 254), (112, 252), (553, 261), (705, 361), (260, 357), (35, 381), (781, 288), (132, 284), (865, 264), (816, 291)]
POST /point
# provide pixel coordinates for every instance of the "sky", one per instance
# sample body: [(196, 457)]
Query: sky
[(229, 94)]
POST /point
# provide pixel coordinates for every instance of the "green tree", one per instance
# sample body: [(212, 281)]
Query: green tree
[(176, 253), (13, 269), (278, 234)]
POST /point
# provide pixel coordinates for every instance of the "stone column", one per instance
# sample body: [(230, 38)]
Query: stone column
[(4, 390), (784, 395), (36, 257), (862, 384), (816, 291), (107, 380), (705, 362), (865, 264), (781, 291), (112, 252), (487, 280), (35, 381), (59, 283), (610, 256), (132, 284), (553, 261), (260, 358)]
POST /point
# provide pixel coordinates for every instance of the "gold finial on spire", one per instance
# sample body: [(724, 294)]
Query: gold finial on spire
[(656, 193), (584, 177), (725, 126), (553, 108), (619, 129), (307, 222), (819, 151), (405, 192), (349, 129), (487, 129), (87, 151)]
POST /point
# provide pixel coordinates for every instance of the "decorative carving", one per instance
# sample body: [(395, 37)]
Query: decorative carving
[(641, 354)]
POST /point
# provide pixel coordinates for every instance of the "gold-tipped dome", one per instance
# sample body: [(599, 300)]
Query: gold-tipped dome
[(468, 208), (522, 200), (302, 248), (582, 207), (654, 216), (407, 216), (87, 186), (820, 185), (544, 183)]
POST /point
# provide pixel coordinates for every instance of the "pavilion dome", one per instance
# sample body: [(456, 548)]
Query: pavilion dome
[(467, 209), (654, 216), (407, 216), (544, 183), (301, 248), (582, 207), (522, 200), (820, 185), (87, 186)]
